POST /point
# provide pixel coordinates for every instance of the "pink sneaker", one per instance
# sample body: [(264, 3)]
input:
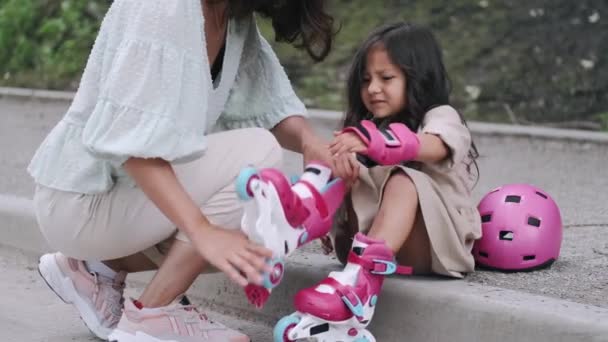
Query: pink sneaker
[(97, 299), (174, 323)]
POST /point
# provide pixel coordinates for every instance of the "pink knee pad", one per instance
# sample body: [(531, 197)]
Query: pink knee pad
[(390, 146)]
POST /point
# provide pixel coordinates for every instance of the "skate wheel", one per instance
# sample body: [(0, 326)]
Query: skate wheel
[(293, 179), (303, 238), (272, 279), (366, 337), (242, 182), (283, 327)]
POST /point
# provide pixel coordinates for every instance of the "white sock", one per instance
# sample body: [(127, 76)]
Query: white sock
[(100, 268)]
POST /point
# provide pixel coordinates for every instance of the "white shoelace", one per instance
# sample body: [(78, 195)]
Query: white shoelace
[(114, 296), (193, 316)]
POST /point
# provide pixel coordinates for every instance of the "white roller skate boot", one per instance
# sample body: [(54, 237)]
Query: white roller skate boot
[(341, 306), (283, 217)]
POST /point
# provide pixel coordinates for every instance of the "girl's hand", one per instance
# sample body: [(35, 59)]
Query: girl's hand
[(231, 252), (345, 143), (346, 167)]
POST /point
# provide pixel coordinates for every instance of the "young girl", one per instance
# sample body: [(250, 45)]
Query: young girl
[(410, 160)]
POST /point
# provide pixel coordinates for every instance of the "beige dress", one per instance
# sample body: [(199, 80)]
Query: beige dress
[(449, 214)]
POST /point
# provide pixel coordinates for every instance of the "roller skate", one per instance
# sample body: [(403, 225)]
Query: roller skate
[(283, 216), (341, 306)]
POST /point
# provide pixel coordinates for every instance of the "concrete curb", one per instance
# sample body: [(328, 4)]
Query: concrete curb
[(495, 129), (39, 94), (333, 117), (423, 309), (19, 226), (432, 309)]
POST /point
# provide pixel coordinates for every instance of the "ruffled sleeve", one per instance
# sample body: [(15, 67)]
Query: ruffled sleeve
[(445, 122), (153, 99), (262, 94)]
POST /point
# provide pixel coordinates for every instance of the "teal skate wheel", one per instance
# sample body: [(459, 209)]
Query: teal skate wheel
[(272, 279), (283, 327), (294, 179), (303, 238), (242, 182)]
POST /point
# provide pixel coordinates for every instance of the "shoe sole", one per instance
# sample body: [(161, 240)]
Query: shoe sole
[(65, 290), (121, 336)]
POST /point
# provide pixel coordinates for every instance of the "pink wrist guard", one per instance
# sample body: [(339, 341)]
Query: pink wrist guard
[(390, 146)]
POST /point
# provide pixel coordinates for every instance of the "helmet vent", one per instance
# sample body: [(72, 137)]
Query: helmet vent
[(486, 218), (529, 257), (513, 199), (483, 254), (541, 195), (533, 221), (506, 235)]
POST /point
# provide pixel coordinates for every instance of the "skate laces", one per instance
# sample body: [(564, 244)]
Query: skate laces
[(111, 292), (191, 316)]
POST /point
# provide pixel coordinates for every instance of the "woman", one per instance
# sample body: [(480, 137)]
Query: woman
[(175, 99)]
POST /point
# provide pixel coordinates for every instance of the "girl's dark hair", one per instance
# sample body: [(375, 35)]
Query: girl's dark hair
[(303, 23), (417, 53)]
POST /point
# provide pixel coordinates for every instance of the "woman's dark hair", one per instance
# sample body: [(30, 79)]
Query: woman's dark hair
[(417, 53), (303, 23)]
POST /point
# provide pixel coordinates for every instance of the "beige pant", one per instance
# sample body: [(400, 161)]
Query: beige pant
[(123, 221)]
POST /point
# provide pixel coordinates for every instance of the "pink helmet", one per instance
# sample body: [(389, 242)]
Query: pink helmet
[(522, 229)]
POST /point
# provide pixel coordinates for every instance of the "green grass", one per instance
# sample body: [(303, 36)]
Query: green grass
[(530, 63)]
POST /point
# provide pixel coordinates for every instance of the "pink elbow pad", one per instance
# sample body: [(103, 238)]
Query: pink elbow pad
[(390, 146)]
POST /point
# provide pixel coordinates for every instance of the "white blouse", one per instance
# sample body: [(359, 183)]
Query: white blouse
[(147, 92)]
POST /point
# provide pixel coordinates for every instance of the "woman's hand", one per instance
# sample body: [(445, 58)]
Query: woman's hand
[(346, 167), (315, 149), (343, 149), (228, 250), (231, 252)]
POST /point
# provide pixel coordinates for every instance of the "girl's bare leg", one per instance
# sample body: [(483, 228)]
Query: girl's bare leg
[(399, 223)]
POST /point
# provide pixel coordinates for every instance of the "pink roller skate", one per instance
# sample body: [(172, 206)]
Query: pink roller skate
[(341, 306), (283, 217)]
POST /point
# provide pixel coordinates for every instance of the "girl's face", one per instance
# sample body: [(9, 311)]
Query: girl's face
[(384, 84)]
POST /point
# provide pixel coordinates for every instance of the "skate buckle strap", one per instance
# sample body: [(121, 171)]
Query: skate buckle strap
[(348, 296), (317, 197), (379, 266)]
